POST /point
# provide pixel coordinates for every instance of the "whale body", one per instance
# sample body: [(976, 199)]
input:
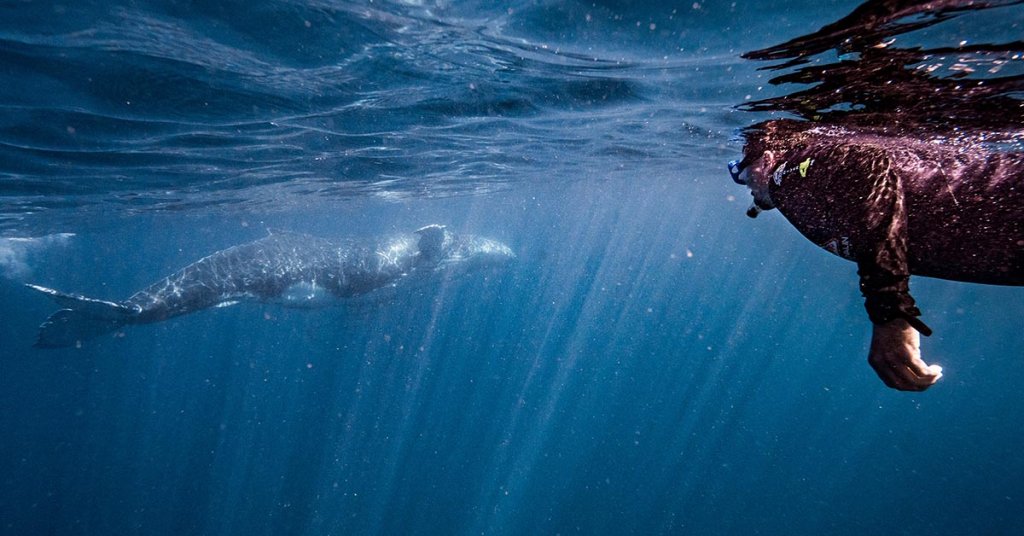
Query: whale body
[(293, 269)]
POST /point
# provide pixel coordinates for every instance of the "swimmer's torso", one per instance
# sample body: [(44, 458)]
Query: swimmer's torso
[(960, 208)]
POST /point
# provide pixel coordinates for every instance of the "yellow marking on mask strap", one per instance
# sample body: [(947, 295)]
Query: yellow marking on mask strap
[(803, 167)]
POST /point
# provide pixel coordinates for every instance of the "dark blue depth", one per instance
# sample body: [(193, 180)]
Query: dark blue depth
[(652, 363)]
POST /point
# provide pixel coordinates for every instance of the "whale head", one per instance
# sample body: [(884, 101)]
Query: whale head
[(445, 250)]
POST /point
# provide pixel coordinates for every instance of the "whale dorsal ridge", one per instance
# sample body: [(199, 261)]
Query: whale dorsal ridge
[(431, 242)]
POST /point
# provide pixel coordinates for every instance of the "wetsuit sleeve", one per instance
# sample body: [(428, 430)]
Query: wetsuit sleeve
[(882, 257)]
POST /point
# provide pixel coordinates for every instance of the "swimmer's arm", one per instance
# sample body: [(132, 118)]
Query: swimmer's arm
[(895, 353), (882, 265)]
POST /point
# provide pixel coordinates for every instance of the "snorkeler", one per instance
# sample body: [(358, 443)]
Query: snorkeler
[(896, 205)]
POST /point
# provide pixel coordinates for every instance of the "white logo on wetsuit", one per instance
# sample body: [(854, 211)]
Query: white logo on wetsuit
[(840, 246), (781, 171)]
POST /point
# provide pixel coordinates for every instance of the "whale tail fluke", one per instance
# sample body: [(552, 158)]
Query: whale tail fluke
[(80, 319)]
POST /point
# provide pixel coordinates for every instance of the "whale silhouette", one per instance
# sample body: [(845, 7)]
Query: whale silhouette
[(292, 269)]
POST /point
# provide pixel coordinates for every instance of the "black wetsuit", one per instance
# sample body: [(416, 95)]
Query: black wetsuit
[(898, 206)]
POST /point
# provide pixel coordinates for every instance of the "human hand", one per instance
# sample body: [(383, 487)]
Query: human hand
[(896, 357)]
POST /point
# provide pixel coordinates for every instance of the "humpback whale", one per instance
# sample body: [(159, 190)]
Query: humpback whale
[(293, 269)]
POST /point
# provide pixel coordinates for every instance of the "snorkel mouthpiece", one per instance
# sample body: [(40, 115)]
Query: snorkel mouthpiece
[(736, 169)]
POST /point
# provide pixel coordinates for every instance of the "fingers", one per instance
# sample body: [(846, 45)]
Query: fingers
[(905, 372), (904, 379), (923, 370), (896, 357)]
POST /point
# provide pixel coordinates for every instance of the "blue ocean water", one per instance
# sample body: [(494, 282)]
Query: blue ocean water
[(654, 362)]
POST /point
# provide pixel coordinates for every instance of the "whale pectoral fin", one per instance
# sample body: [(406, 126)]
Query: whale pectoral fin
[(305, 295), (228, 303)]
